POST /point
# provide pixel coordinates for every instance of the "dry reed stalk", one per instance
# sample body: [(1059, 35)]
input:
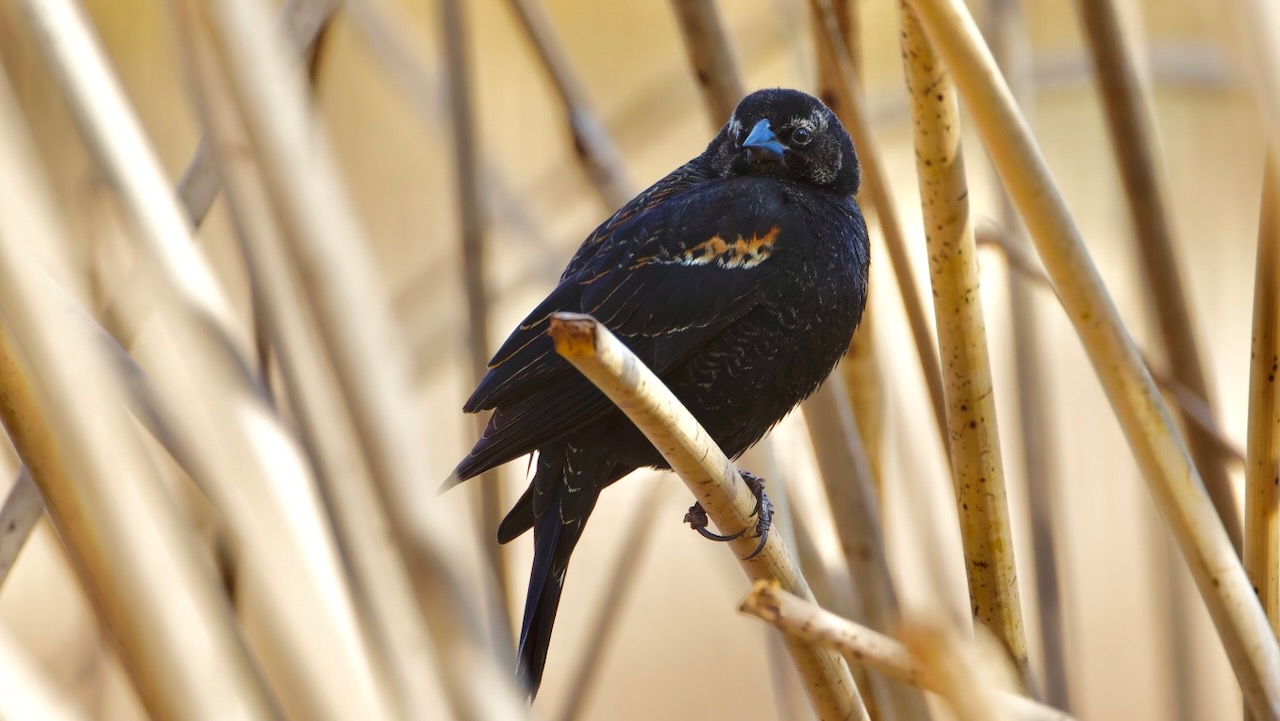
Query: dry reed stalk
[(714, 481), (69, 425), (303, 22), (875, 190), (380, 585), (1262, 495), (1192, 406), (851, 492), (636, 539), (25, 692), (714, 65), (353, 315), (1166, 465), (472, 222), (859, 368), (1132, 139), (957, 302), (592, 144), (242, 460), (19, 515), (1008, 34), (809, 622)]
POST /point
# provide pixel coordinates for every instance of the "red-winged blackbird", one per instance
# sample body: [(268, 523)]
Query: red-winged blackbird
[(739, 279)]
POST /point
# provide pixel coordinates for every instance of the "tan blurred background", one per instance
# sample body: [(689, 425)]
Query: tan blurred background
[(679, 635)]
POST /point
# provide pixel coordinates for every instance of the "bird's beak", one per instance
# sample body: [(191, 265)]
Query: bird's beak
[(762, 144)]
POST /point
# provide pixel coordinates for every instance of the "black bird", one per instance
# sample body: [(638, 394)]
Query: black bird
[(739, 279)]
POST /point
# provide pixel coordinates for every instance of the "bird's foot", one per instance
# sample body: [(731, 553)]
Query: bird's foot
[(697, 516)]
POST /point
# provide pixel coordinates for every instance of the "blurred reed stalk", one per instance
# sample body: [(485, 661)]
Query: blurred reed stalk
[(19, 515), (25, 692), (875, 190), (712, 478), (712, 59), (1175, 484), (128, 545), (243, 484), (352, 312), (592, 145), (1191, 405), (851, 492), (809, 622), (957, 301), (636, 540), (472, 226), (1132, 139), (1007, 34), (1262, 494), (861, 373), (303, 21)]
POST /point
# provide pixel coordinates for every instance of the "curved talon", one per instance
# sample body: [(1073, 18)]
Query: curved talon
[(763, 510), (697, 520)]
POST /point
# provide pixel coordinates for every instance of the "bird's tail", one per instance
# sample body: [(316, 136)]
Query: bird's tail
[(561, 497)]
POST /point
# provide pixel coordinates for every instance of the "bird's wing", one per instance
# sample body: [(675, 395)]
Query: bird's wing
[(666, 281)]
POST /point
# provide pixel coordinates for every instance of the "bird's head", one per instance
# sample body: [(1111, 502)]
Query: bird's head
[(788, 135)]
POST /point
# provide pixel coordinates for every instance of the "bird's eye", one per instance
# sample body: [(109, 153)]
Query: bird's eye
[(801, 136)]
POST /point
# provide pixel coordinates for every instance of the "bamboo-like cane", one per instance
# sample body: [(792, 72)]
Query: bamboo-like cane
[(714, 481), (1262, 495), (25, 692), (714, 65), (860, 369), (353, 314), (851, 491), (875, 189), (71, 428), (809, 622), (1166, 465), (1132, 138), (19, 515), (303, 22), (471, 218), (595, 149), (1008, 34), (971, 411)]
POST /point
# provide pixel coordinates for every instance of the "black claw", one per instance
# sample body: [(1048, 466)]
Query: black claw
[(763, 510), (697, 520)]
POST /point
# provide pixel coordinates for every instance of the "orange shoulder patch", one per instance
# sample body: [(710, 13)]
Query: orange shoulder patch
[(739, 253)]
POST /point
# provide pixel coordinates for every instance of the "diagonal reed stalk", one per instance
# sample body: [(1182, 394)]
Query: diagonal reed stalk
[(714, 65), (714, 481), (1133, 139), (472, 222), (1262, 467), (69, 425), (592, 145), (19, 515), (1165, 463), (1008, 34), (353, 315), (809, 622), (875, 190), (957, 302)]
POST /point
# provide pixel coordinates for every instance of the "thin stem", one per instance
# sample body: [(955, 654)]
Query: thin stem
[(1139, 407), (22, 510), (714, 65)]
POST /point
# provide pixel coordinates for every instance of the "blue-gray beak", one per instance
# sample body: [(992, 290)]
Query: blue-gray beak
[(762, 144)]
